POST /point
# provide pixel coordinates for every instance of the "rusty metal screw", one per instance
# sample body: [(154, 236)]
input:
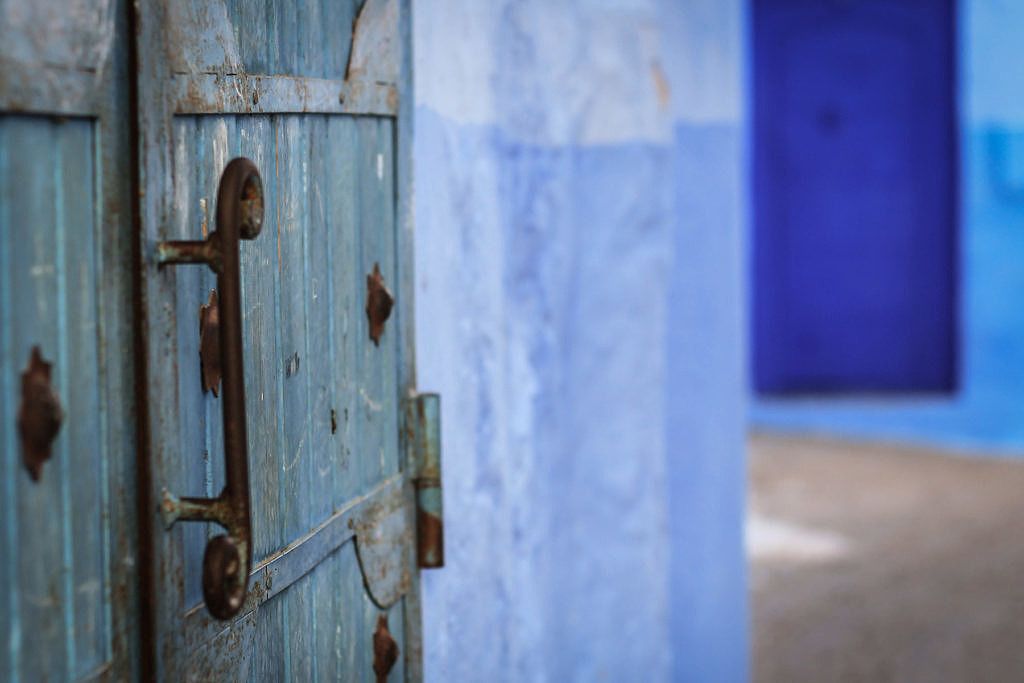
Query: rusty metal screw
[(385, 650), (379, 303)]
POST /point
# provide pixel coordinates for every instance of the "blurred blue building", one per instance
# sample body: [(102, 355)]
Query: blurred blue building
[(896, 290)]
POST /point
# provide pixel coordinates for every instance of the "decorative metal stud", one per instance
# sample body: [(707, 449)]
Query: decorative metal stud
[(379, 303), (39, 415), (209, 344), (385, 650)]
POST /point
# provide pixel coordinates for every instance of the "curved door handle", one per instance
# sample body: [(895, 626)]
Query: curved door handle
[(228, 558)]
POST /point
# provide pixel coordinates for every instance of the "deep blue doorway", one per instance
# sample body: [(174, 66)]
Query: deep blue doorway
[(855, 196)]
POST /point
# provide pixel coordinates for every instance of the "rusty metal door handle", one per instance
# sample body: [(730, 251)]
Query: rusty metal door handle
[(228, 558)]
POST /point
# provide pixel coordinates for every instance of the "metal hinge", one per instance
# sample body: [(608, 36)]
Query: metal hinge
[(423, 420)]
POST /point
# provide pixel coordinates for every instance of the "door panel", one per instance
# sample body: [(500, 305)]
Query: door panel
[(67, 551), (321, 397), (855, 201), (308, 38), (308, 96), (49, 300)]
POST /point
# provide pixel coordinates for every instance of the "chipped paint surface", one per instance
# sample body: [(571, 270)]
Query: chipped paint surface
[(221, 63), (383, 537)]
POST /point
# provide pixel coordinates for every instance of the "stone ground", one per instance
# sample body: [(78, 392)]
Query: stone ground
[(879, 563)]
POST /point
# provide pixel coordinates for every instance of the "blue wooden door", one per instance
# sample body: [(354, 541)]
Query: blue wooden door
[(855, 196), (316, 95), (67, 545)]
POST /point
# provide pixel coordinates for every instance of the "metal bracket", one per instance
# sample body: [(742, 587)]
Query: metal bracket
[(423, 422)]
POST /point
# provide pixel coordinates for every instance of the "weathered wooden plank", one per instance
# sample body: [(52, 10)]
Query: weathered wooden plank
[(404, 220), (355, 635), (250, 18), (292, 222), (269, 655), (318, 380), (288, 34), (39, 513), (302, 556), (200, 37), (319, 328), (87, 454), (285, 58), (236, 37), (161, 562), (337, 49), (312, 45), (31, 88), (206, 93), (228, 655), (355, 641), (115, 266), (341, 215), (69, 177), (347, 652), (292, 146), (378, 445), (10, 617), (271, 47), (333, 161), (295, 456), (263, 365), (265, 387), (55, 565), (190, 218)]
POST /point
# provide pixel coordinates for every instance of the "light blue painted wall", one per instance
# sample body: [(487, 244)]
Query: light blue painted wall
[(707, 373), (578, 213), (987, 414)]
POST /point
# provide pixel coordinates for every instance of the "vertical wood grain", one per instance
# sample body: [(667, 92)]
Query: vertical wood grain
[(56, 530), (10, 621), (377, 396), (190, 290), (308, 38), (85, 454), (41, 592)]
